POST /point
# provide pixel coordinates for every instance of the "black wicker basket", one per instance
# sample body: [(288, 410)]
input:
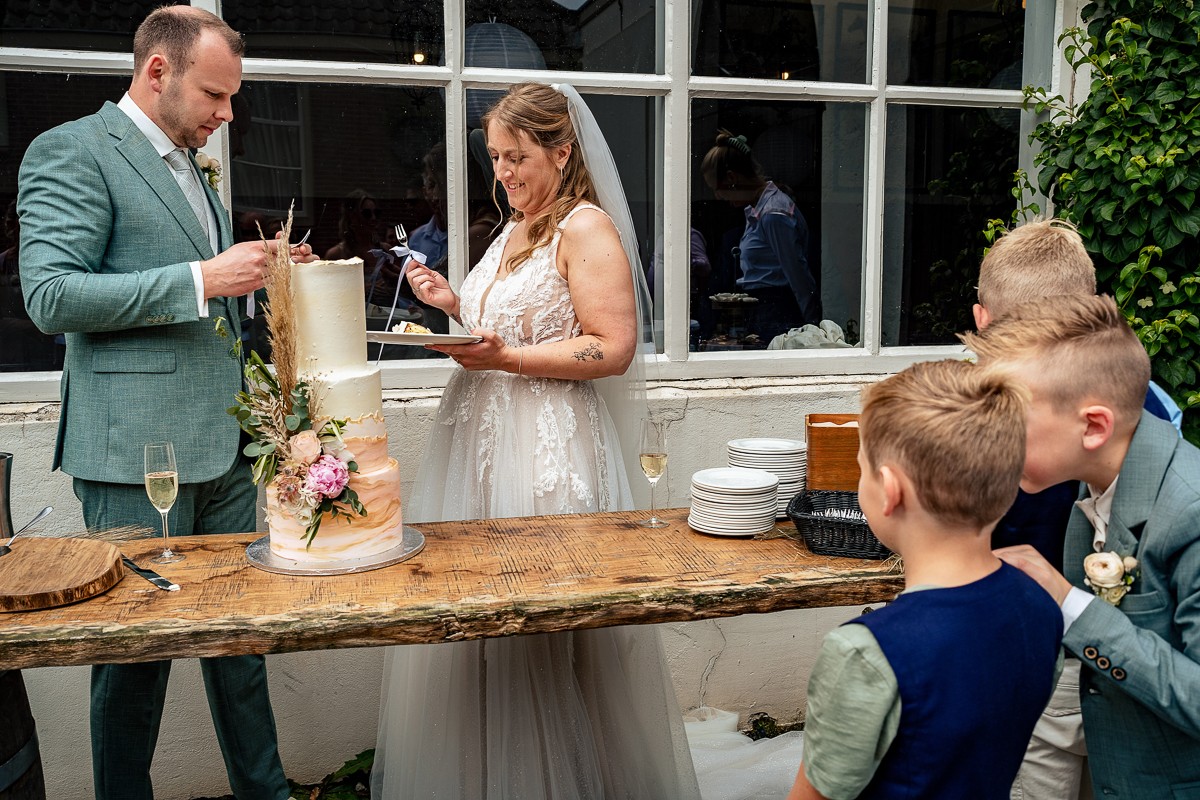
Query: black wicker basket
[(832, 524)]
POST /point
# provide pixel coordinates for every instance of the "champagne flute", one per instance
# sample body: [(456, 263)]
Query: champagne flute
[(162, 485), (653, 458)]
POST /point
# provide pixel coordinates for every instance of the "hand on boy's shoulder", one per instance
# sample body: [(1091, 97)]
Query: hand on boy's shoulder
[(1034, 564)]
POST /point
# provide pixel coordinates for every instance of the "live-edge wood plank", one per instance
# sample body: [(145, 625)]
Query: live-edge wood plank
[(474, 579)]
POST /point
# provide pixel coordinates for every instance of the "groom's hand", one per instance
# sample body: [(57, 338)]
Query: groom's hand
[(239, 270)]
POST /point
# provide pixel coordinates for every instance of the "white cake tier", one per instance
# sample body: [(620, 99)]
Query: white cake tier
[(346, 392), (341, 538), (331, 323)]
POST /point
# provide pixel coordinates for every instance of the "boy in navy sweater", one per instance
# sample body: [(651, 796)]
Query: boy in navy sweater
[(935, 695)]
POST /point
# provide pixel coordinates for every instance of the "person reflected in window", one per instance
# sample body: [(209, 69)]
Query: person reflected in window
[(358, 232), (431, 238), (772, 252)]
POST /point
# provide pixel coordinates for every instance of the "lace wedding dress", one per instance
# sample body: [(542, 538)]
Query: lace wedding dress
[(588, 714)]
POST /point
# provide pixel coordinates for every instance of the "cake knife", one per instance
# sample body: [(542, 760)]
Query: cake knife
[(151, 575)]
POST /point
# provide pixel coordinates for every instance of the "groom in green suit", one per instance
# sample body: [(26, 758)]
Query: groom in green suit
[(1130, 587), (126, 248)]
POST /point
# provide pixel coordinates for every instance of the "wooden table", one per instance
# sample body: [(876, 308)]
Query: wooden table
[(474, 579)]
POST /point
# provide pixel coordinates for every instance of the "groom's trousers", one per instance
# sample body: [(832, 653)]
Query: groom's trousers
[(127, 699)]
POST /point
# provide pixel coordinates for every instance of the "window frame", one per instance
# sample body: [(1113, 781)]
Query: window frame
[(677, 88)]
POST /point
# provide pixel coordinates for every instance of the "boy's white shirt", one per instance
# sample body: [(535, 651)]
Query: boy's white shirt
[(1097, 507)]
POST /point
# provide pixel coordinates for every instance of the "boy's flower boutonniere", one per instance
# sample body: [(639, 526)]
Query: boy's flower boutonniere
[(1109, 575), (211, 168)]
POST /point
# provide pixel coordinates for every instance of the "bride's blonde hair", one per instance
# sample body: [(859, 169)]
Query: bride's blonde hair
[(542, 112)]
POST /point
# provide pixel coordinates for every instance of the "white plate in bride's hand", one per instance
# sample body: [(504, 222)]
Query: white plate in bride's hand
[(386, 337)]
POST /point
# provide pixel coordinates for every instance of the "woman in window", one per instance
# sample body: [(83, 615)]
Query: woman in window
[(772, 253)]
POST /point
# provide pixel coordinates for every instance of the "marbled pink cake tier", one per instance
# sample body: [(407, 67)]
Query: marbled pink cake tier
[(377, 483)]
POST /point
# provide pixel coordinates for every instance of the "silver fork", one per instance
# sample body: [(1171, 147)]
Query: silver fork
[(401, 235), (28, 526), (303, 238)]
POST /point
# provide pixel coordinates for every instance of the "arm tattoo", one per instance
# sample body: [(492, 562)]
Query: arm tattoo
[(592, 352)]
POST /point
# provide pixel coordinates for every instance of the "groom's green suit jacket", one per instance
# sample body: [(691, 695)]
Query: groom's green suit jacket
[(106, 237), (1140, 687)]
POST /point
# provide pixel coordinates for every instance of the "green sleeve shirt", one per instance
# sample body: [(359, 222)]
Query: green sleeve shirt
[(853, 713)]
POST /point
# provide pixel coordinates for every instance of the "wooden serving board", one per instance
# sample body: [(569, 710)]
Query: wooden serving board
[(47, 572)]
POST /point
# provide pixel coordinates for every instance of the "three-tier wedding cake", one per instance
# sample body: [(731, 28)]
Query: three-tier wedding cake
[(331, 356)]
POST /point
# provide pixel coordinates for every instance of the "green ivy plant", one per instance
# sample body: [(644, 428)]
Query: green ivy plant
[(1124, 166)]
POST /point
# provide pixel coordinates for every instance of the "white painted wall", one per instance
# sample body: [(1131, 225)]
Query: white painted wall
[(326, 703)]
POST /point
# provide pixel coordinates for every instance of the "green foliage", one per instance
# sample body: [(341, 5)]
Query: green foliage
[(764, 726), (349, 782), (1124, 165)]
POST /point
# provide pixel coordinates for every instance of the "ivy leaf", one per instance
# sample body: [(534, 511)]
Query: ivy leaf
[(1167, 93), (1187, 224), (1176, 372)]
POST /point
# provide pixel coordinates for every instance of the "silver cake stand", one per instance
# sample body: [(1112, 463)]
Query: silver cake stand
[(259, 554)]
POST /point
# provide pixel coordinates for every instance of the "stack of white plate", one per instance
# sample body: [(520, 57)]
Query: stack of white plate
[(787, 459), (732, 501)]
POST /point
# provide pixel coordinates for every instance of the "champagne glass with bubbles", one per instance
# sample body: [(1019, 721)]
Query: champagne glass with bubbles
[(653, 458), (162, 485)]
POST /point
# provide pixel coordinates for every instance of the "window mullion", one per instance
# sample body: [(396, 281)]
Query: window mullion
[(873, 205), (676, 195), (456, 144)]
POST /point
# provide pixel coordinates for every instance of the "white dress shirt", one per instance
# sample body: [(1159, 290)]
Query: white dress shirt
[(1097, 507)]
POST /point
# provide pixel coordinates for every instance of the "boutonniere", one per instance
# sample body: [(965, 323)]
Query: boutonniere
[(222, 329), (211, 168), (1109, 575)]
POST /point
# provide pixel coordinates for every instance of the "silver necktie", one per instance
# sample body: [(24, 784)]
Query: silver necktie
[(189, 182)]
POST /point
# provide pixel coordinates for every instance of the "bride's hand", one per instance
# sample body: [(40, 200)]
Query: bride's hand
[(431, 288), (491, 353)]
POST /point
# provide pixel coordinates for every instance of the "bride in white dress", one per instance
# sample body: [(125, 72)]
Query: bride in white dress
[(522, 430)]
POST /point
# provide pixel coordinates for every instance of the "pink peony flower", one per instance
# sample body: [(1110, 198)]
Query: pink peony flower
[(327, 476), (305, 447)]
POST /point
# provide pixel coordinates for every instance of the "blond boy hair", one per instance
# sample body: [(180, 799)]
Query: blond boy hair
[(1081, 349), (957, 431), (1043, 258)]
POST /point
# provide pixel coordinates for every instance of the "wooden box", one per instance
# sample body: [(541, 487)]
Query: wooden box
[(832, 451)]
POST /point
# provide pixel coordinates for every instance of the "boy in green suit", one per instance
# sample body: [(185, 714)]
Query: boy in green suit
[(126, 248), (1130, 595)]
